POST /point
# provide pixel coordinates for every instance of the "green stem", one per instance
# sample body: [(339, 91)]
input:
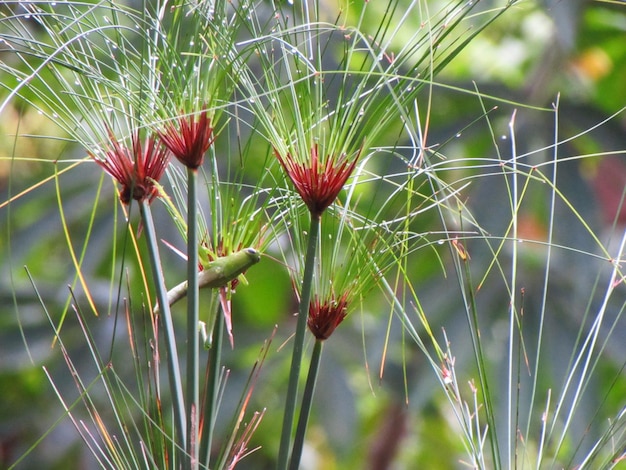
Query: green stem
[(482, 368), (298, 345), (210, 399), (193, 340), (170, 336), (307, 400)]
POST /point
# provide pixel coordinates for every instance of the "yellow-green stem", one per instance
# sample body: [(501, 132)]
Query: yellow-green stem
[(210, 399), (474, 328)]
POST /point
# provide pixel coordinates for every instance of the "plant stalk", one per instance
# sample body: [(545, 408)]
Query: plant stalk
[(210, 399), (170, 337), (305, 409), (193, 340), (474, 328), (298, 344)]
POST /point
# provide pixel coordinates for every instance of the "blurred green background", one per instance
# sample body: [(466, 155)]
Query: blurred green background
[(572, 51)]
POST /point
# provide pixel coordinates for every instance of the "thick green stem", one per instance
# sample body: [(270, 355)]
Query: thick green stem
[(168, 326), (298, 344), (210, 398), (193, 341), (305, 409)]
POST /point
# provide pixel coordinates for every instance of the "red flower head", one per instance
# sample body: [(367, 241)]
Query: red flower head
[(135, 169), (324, 317), (318, 183), (190, 140)]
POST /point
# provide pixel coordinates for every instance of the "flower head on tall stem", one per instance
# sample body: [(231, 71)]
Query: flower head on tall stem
[(325, 316), (137, 168), (190, 140), (318, 183)]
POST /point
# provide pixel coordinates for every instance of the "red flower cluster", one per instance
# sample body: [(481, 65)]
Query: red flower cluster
[(190, 141), (325, 316), (135, 169), (318, 183)]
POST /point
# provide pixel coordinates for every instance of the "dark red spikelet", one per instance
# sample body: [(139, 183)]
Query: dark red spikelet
[(317, 183), (137, 168), (190, 140), (325, 316)]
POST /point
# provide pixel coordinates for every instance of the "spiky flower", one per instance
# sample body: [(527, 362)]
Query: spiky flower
[(325, 316), (137, 168), (190, 140), (318, 183)]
